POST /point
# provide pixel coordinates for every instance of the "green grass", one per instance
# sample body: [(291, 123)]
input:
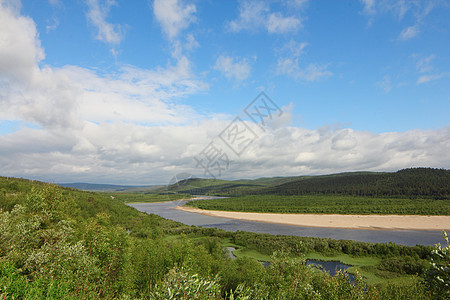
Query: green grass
[(327, 204), (148, 198), (240, 251), (366, 267)]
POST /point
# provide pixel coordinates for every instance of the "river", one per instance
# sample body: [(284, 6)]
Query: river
[(402, 237)]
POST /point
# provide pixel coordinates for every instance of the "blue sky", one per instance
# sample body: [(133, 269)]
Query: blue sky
[(132, 91)]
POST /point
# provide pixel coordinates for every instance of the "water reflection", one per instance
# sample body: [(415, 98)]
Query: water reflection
[(330, 266), (403, 237)]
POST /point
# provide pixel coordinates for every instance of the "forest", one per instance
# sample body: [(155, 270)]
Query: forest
[(418, 191), (327, 204), (407, 183), (62, 243)]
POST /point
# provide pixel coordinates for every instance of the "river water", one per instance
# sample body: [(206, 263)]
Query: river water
[(402, 237)]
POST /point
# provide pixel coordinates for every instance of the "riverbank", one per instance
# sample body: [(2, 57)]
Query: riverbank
[(366, 222)]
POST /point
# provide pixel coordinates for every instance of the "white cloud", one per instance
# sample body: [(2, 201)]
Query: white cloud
[(289, 63), (130, 153), (425, 67), (431, 77), (385, 84), (408, 33), (419, 10), (291, 67), (67, 97), (233, 68), (52, 25), (173, 16), (20, 48), (106, 32), (54, 2), (127, 127), (191, 42), (296, 3), (292, 48), (254, 15), (399, 8), (423, 64), (369, 6), (279, 24)]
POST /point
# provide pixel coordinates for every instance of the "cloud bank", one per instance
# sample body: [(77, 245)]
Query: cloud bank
[(130, 127)]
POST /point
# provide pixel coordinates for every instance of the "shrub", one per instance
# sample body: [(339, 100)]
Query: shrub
[(437, 278), (180, 284)]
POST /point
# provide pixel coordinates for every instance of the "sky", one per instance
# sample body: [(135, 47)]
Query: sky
[(138, 92)]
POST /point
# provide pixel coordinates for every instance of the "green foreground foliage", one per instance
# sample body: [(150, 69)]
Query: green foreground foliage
[(65, 244)]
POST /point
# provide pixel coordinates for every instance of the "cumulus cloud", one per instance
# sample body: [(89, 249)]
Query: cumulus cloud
[(288, 63), (293, 48), (54, 2), (296, 3), (106, 32), (66, 97), (369, 6), (254, 15), (20, 48), (399, 8), (423, 64), (251, 16), (419, 10), (69, 96), (431, 77), (425, 67), (131, 153), (408, 33), (173, 16), (128, 127), (233, 68), (280, 24), (291, 67)]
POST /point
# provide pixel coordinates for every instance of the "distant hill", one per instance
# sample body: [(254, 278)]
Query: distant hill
[(100, 187), (199, 186), (414, 182)]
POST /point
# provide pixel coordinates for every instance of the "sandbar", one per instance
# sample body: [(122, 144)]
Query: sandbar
[(367, 222)]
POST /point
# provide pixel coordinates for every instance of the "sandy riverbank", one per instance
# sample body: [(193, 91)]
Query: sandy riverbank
[(374, 222)]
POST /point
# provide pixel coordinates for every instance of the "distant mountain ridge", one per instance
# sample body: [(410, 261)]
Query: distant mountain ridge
[(410, 183), (101, 187)]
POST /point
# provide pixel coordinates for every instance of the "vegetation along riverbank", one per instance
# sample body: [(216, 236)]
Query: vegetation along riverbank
[(63, 243)]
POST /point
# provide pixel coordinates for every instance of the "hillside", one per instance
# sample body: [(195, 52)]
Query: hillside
[(407, 183), (417, 182)]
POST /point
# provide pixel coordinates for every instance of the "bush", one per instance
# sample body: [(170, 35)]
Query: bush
[(180, 284), (437, 278), (404, 265)]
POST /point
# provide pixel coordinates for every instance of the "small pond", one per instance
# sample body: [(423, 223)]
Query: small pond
[(330, 266)]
